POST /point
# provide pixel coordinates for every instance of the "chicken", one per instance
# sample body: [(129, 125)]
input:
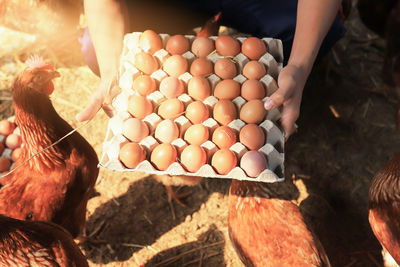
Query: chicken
[(168, 181), (55, 184), (383, 17), (384, 207), (211, 26), (26, 243), (268, 231)]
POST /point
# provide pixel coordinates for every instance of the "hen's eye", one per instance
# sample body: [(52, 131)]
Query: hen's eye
[(29, 216), (39, 77)]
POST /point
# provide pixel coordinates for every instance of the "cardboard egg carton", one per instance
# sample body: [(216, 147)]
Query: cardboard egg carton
[(274, 145)]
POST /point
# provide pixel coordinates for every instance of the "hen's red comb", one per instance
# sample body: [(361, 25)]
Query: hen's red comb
[(36, 61)]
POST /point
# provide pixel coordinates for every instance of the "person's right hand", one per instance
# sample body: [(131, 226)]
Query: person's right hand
[(291, 82), (101, 98)]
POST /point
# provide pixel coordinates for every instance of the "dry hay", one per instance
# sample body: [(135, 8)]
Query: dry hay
[(54, 24), (48, 28)]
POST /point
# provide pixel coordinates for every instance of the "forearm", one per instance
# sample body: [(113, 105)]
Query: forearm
[(314, 19), (107, 25)]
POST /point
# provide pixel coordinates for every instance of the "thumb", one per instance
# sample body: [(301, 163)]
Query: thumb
[(284, 92)]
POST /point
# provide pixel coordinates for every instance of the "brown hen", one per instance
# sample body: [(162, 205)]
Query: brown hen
[(269, 231), (24, 243), (54, 185), (384, 207), (211, 26)]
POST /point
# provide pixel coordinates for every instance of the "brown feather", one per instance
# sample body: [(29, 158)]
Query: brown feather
[(268, 231), (25, 243), (384, 206)]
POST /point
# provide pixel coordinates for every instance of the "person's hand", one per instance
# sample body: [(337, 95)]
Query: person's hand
[(101, 98), (291, 82)]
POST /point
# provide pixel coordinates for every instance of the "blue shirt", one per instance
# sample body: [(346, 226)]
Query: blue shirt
[(265, 18)]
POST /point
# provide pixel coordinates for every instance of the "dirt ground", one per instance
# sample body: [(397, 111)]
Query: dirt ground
[(346, 134)]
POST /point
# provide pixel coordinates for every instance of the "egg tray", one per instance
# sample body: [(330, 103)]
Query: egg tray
[(273, 148)]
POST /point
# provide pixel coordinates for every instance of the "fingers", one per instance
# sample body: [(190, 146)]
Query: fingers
[(291, 82), (285, 91), (290, 112), (91, 109), (102, 98)]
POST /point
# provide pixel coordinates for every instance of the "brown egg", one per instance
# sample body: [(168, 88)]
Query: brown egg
[(135, 130), (13, 141), (193, 157), (172, 87), (15, 154), (252, 136), (225, 68), (227, 45), (253, 48), (224, 112), (166, 131), (223, 161), (175, 65), (150, 42), (139, 106), (5, 164), (254, 70), (196, 134), (144, 85), (146, 63), (177, 45), (224, 137), (227, 89), (163, 156), (203, 46), (253, 163), (171, 109), (253, 112), (131, 154), (199, 88), (201, 67), (6, 127), (253, 89), (197, 112)]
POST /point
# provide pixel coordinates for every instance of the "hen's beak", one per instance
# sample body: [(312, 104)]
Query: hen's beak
[(51, 75), (55, 74)]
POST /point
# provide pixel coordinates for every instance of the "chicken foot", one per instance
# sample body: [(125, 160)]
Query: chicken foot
[(88, 238), (177, 197)]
